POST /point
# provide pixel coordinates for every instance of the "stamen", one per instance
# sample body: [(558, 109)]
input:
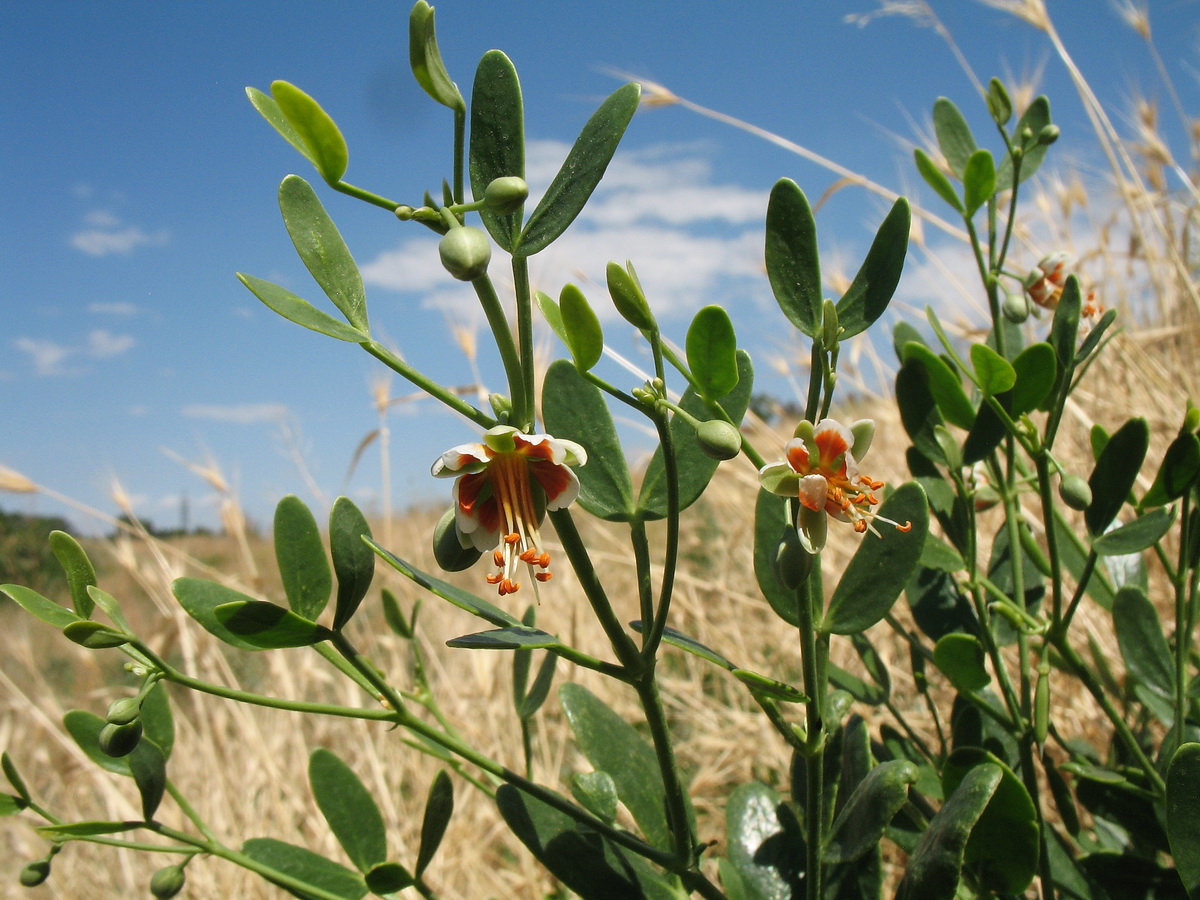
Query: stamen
[(498, 559), (512, 538), (543, 576)]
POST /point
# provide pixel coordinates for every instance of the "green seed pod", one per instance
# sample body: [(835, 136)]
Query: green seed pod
[(123, 711), (448, 547), (119, 740), (1075, 492), (1015, 308), (167, 882), (465, 252), (35, 873), (505, 196), (718, 439)]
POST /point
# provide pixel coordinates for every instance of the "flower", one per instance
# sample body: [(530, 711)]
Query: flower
[(503, 487), (820, 470), (1045, 281)]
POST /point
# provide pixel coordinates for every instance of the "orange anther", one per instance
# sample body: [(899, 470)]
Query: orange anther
[(906, 527), (498, 558), (543, 576), (512, 538), (861, 526), (529, 556), (544, 560), (493, 579)]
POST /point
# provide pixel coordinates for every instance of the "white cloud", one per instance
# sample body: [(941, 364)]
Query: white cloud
[(106, 235), (47, 356), (103, 344), (112, 309), (237, 413), (692, 241)]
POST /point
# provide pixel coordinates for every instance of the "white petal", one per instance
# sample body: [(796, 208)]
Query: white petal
[(461, 459), (567, 495)]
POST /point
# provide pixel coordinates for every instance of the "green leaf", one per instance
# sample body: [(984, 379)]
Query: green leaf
[(10, 805), (269, 110), (85, 728), (1064, 332), (860, 825), (960, 657), (574, 409), (875, 282), (157, 722), (300, 554), (87, 829), (266, 626), (349, 809), (770, 521), (696, 468), (919, 411), (78, 569), (452, 594), (993, 372), (953, 135), (935, 865), (881, 566), (1036, 368), (1136, 536), (550, 311), (944, 385), (14, 777), (148, 764), (1115, 473), (1178, 472), (388, 878), (979, 181), (586, 862), (94, 635), (497, 146), (580, 173), (625, 289), (762, 686), (860, 690), (613, 745), (581, 328), (937, 554), (353, 561), (1140, 638), (765, 843), (597, 793), (438, 809), (1183, 815), (685, 642), (1035, 118), (322, 249), (306, 867), (199, 597), (515, 637), (39, 607), (712, 352), (1004, 847), (108, 603), (532, 701), (793, 266), (298, 310), (425, 58), (937, 180), (317, 131)]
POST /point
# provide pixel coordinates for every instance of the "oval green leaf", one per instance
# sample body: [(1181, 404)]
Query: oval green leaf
[(439, 807), (1036, 368), (860, 824), (304, 868), (348, 808), (326, 146), (266, 626), (960, 658), (712, 352), (298, 310), (944, 385), (953, 135), (300, 554), (497, 146), (993, 373), (1115, 473), (765, 843), (269, 110), (1183, 815), (353, 561), (875, 282), (148, 765), (1178, 472), (1136, 536), (793, 266), (94, 635), (936, 179), (581, 328), (1143, 647), (39, 607), (979, 181), (425, 58), (78, 569)]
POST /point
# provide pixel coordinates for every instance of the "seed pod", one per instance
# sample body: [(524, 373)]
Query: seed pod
[(504, 196), (35, 873), (718, 439), (1075, 492), (119, 740), (123, 711), (167, 882), (465, 252)]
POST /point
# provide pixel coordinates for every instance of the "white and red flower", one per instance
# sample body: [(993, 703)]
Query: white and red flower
[(820, 470), (503, 487), (1045, 281)]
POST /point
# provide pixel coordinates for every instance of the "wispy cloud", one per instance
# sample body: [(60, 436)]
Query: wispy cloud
[(112, 309), (50, 357), (690, 239), (237, 413), (105, 234)]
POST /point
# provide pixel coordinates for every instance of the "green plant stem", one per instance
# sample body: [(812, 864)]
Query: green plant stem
[(520, 270), (1182, 625), (460, 143), (641, 561), (435, 390), (671, 474), (808, 594), (189, 810), (502, 333), (683, 839), (365, 195)]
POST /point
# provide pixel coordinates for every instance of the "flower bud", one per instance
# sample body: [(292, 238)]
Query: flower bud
[(448, 547), (863, 432), (1075, 492), (505, 196), (1048, 135), (465, 252), (627, 295), (123, 711), (791, 562), (998, 102), (167, 882), (1015, 308), (35, 873), (403, 212), (119, 740), (718, 439)]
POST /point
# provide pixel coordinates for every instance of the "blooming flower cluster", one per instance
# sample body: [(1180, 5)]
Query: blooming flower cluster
[(821, 471), (504, 485), (1045, 282)]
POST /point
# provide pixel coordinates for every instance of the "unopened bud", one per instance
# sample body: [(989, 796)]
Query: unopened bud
[(1015, 308), (448, 546), (718, 439), (167, 882), (1048, 135), (863, 432), (119, 740), (1075, 492), (505, 196), (792, 563), (123, 711), (465, 252), (404, 213), (35, 873)]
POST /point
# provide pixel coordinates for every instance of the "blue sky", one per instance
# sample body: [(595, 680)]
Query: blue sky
[(135, 179)]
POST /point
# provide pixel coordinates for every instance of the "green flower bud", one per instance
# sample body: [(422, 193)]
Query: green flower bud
[(1191, 420), (998, 102), (792, 563), (1015, 308), (718, 439), (505, 196), (1048, 135), (167, 882), (863, 433), (448, 547), (123, 711), (35, 873), (1075, 492), (119, 740), (404, 213), (465, 252), (627, 295), (501, 406)]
